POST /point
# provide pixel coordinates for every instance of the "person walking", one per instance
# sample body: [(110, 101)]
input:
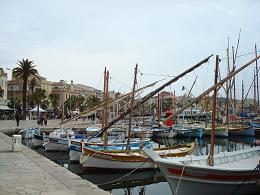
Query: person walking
[(45, 120), (17, 118)]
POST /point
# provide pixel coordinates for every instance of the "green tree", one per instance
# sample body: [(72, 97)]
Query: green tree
[(25, 69), (54, 98), (31, 101), (14, 102), (33, 84), (74, 103), (92, 101), (39, 96)]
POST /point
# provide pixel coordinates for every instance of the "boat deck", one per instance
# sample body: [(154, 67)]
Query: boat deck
[(243, 164)]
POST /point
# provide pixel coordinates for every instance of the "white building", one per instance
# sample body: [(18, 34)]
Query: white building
[(3, 84)]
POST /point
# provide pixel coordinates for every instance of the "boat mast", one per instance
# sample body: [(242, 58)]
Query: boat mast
[(242, 102), (213, 120), (255, 91), (228, 84), (131, 111), (104, 97), (106, 107), (207, 110), (158, 109), (175, 108), (257, 86), (151, 94), (174, 101), (218, 85), (234, 80)]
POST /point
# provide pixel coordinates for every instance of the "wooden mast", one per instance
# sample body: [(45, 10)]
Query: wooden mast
[(207, 110), (158, 109), (106, 107), (210, 159), (104, 97), (109, 102), (131, 111), (234, 80), (228, 84), (255, 106), (257, 86), (174, 101), (220, 83), (242, 103), (151, 94)]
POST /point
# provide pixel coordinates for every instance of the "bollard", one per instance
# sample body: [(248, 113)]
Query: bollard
[(17, 143)]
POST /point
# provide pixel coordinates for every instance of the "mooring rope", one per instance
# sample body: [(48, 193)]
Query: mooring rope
[(177, 188), (237, 188), (120, 178)]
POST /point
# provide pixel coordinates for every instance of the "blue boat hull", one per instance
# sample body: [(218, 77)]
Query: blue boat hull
[(242, 132)]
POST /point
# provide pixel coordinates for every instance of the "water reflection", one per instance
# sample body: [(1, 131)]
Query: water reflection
[(149, 182)]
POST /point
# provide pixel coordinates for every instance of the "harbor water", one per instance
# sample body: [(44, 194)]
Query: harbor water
[(147, 182)]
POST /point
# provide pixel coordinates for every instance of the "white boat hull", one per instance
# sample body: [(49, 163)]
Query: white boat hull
[(56, 146), (231, 169), (99, 163), (195, 186), (74, 155)]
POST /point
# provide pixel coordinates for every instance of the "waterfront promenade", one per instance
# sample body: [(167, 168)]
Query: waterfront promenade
[(27, 172), (9, 126)]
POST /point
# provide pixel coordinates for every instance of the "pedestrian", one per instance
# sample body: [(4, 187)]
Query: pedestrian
[(45, 120), (41, 120), (17, 118)]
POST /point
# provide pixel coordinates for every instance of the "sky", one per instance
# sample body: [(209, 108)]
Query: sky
[(75, 39)]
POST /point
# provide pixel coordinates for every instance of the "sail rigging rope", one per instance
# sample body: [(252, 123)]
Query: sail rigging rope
[(99, 80), (257, 168), (120, 178), (242, 55), (177, 188)]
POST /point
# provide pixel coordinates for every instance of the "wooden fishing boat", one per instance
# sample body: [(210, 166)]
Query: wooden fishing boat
[(57, 140), (233, 172), (165, 132), (256, 127), (75, 145), (122, 161), (220, 131), (224, 173), (140, 132), (190, 130), (31, 133), (240, 131)]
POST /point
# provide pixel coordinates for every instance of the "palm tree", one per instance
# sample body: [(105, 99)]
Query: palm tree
[(33, 84), (93, 101), (39, 95), (54, 98), (25, 69), (30, 100)]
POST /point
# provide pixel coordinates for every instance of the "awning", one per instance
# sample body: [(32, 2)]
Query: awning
[(4, 107), (35, 109)]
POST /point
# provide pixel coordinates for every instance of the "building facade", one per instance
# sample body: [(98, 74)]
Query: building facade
[(3, 84)]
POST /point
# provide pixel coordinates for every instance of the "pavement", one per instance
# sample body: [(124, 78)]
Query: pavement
[(27, 172), (9, 126)]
